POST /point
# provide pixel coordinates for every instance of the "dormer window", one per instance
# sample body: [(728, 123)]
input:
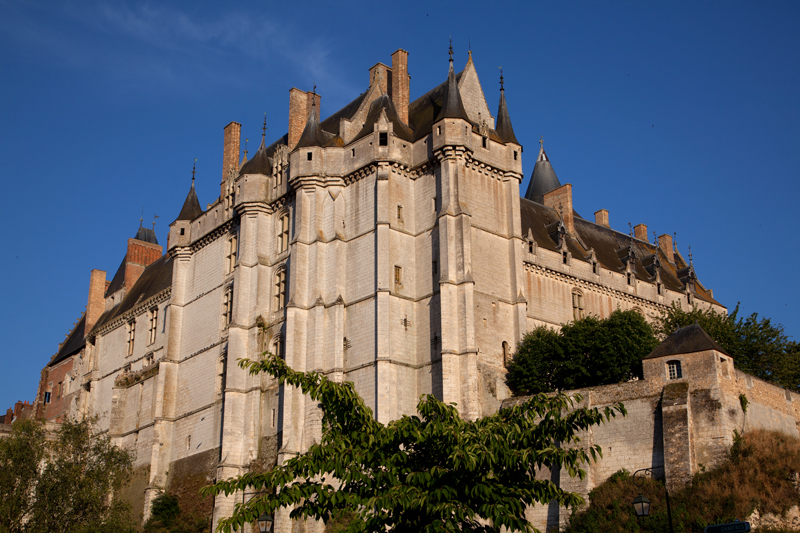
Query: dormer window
[(383, 139), (674, 369), (630, 278), (659, 290), (564, 257), (594, 267), (182, 230)]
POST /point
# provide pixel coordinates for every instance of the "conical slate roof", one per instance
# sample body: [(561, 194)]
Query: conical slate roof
[(452, 107), (686, 340), (259, 164), (503, 127), (313, 134), (146, 235), (191, 206), (543, 178)]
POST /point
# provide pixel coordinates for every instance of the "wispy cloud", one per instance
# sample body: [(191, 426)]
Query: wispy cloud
[(162, 43)]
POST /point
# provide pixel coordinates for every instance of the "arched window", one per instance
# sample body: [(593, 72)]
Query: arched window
[(280, 289), (577, 305), (674, 369), (283, 233)]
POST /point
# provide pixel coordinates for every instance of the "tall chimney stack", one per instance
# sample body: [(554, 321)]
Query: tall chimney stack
[(401, 82), (140, 254), (299, 111), (561, 200), (96, 304), (665, 243), (640, 232), (230, 151)]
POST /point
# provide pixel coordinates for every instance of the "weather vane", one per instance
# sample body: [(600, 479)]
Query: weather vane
[(141, 218), (154, 221)]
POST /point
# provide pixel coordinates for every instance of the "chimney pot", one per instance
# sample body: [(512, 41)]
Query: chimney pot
[(97, 303), (561, 200), (601, 218), (401, 82), (665, 243), (230, 151), (640, 232)]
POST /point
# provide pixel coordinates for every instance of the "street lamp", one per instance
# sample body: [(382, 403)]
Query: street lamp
[(641, 504), (265, 523)]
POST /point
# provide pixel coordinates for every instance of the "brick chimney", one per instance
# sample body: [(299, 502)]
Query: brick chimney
[(299, 110), (96, 304), (640, 232), (601, 218), (665, 243), (379, 75), (140, 254), (561, 200), (230, 151), (401, 82)]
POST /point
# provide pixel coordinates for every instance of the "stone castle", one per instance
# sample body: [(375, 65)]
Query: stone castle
[(387, 245)]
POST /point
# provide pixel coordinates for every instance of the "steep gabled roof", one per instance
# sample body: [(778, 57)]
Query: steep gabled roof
[(543, 177), (690, 339), (146, 235), (74, 343), (191, 206), (380, 104)]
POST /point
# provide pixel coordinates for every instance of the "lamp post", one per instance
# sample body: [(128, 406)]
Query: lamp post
[(641, 504)]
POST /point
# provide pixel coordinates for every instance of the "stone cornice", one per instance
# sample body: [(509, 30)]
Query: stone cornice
[(210, 237), (137, 310)]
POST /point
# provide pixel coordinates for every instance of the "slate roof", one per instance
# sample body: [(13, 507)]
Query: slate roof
[(74, 343), (379, 104), (156, 277), (690, 339), (452, 106), (503, 126), (260, 163), (146, 235), (313, 134), (609, 247), (191, 207), (543, 178)]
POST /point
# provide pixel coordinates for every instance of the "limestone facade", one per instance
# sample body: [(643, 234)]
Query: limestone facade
[(387, 245)]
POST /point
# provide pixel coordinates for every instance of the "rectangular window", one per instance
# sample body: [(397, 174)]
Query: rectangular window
[(433, 204), (399, 212), (131, 335), (674, 370), (280, 289), (629, 278), (594, 267), (484, 142), (60, 389), (227, 307), (658, 288), (564, 257), (309, 156), (231, 254), (283, 233), (383, 139), (46, 398), (153, 325), (398, 275), (577, 306)]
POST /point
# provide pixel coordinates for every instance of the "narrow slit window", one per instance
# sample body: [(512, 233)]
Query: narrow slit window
[(483, 142), (399, 212), (629, 278), (353, 152), (515, 155), (564, 257), (310, 156), (594, 267), (280, 290)]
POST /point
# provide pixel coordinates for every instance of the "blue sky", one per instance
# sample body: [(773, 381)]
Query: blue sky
[(681, 115)]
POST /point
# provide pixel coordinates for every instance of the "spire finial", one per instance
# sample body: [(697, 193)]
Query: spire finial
[(245, 147), (141, 218), (194, 167), (154, 221), (264, 128), (451, 49), (501, 79), (541, 142), (691, 263)]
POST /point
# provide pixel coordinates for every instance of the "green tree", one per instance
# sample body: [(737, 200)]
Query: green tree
[(434, 472), (167, 516), (62, 484), (585, 353), (757, 346)]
